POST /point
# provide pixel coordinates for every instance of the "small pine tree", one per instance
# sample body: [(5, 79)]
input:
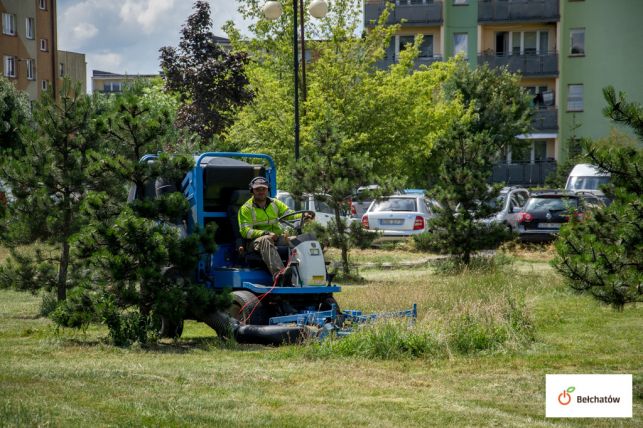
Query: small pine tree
[(603, 254), (331, 171), (49, 175), (494, 110)]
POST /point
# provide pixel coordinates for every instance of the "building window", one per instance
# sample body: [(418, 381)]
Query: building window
[(426, 48), (10, 66), (575, 98), (460, 43), (43, 45), (9, 24), (577, 36), (523, 42), (30, 28), (61, 69), (460, 2), (44, 85), (43, 4), (404, 42), (31, 69)]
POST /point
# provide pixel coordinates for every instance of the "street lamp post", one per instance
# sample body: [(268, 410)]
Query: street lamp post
[(318, 8)]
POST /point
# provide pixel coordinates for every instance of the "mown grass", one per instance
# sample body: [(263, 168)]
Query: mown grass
[(65, 378)]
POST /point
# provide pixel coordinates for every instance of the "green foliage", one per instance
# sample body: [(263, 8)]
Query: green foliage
[(481, 264), (603, 254), (331, 171), (76, 311), (384, 341), (210, 81), (558, 178), (493, 110), (49, 177), (48, 304), (14, 113)]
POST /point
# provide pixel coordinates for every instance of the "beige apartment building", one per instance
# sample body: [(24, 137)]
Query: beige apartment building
[(29, 48)]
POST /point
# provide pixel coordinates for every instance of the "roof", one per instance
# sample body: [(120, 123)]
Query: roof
[(587, 170)]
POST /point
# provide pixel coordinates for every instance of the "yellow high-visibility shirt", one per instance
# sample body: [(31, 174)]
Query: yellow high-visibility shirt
[(255, 221)]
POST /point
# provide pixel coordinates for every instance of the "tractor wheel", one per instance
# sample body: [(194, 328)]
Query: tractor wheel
[(246, 308), (327, 304), (170, 329)]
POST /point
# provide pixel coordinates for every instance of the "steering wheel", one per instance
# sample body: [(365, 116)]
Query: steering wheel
[(292, 223)]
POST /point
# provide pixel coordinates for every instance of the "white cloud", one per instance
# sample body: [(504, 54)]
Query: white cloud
[(106, 61), (147, 13), (84, 31)]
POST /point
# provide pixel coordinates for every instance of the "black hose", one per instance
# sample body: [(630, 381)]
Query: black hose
[(228, 327)]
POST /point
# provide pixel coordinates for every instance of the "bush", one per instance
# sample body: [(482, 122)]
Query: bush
[(77, 311), (48, 304), (482, 264)]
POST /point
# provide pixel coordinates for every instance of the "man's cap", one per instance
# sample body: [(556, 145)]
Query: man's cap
[(259, 182)]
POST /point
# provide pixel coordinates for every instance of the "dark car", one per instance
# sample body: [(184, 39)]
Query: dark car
[(544, 213)]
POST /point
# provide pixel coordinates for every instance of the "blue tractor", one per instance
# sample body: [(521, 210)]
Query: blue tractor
[(216, 188), (262, 311)]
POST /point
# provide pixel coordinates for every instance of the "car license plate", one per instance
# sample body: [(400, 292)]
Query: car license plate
[(392, 221), (549, 225)]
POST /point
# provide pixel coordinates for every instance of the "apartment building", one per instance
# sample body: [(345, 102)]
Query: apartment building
[(565, 50), (113, 83), (28, 44)]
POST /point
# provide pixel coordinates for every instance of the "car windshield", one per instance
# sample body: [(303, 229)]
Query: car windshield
[(551, 204), (394, 204), (587, 183)]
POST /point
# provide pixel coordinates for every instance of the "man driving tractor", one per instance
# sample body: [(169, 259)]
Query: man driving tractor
[(258, 222)]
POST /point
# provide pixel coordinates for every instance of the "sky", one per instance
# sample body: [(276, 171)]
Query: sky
[(124, 36)]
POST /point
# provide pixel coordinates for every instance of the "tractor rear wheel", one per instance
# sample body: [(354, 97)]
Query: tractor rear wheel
[(170, 329), (246, 308), (327, 304)]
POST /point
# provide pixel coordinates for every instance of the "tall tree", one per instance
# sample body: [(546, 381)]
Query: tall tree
[(49, 177), (603, 254), (210, 81), (494, 109)]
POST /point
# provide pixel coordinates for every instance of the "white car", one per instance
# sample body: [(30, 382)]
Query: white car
[(399, 216), (323, 213)]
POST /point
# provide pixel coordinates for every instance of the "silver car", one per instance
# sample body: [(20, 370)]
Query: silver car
[(508, 203), (399, 216)]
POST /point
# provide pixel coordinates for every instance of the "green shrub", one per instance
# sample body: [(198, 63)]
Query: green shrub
[(48, 304), (77, 311), (481, 264)]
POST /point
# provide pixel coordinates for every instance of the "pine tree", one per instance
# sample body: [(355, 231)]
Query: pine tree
[(494, 110), (49, 177), (603, 254)]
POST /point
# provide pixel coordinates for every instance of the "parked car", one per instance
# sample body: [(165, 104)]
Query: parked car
[(508, 203), (544, 213), (358, 203), (323, 213), (587, 177), (399, 216)]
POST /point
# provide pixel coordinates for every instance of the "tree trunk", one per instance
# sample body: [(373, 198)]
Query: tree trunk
[(343, 242), (62, 272)]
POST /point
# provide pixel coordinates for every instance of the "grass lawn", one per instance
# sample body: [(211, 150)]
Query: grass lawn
[(68, 378)]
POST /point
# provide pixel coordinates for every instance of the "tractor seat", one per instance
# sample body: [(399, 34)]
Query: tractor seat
[(244, 252)]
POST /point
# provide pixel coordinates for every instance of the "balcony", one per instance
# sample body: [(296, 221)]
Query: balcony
[(518, 10), (545, 120), (527, 65), (415, 14), (523, 174)]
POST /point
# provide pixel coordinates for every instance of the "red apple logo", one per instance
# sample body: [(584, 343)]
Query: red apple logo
[(564, 398)]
